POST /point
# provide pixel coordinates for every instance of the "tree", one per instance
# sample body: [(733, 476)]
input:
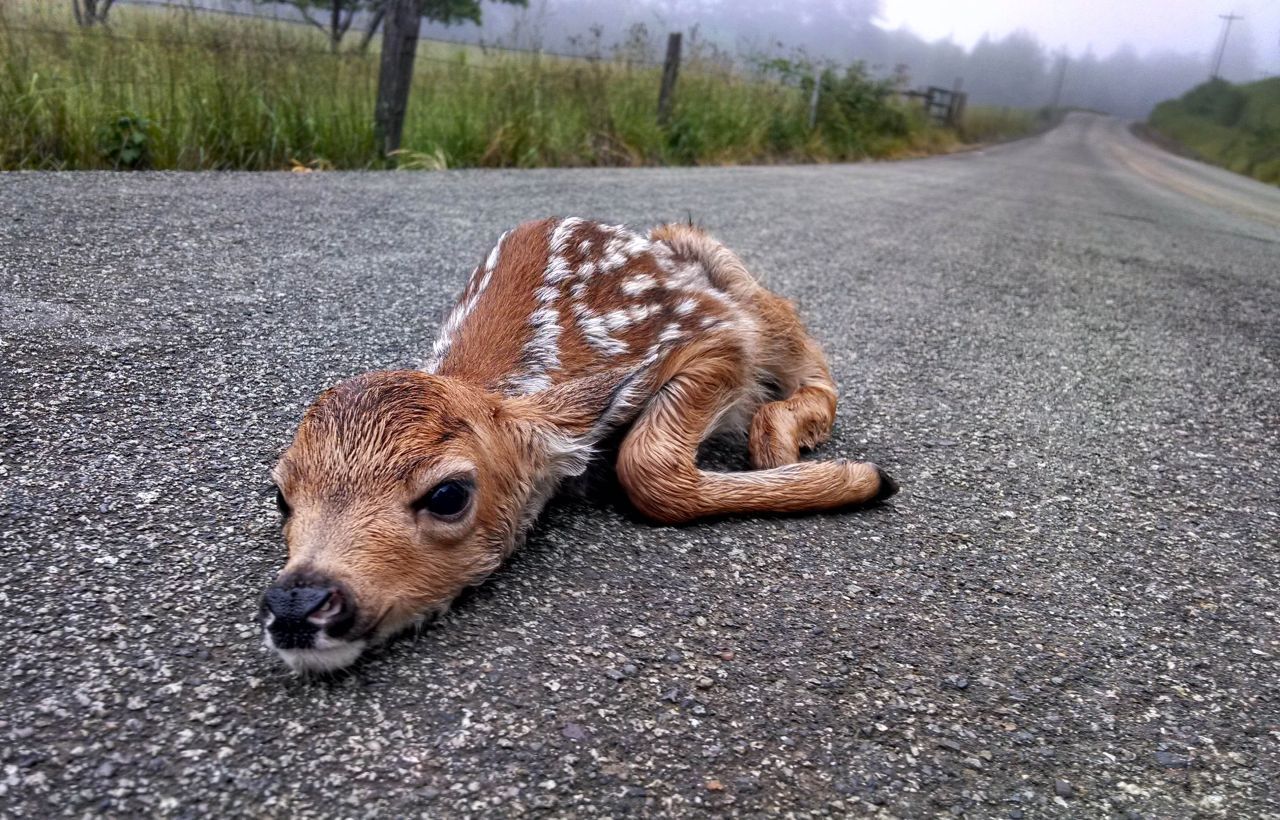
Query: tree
[(342, 13), (434, 11), (1010, 71), (91, 12)]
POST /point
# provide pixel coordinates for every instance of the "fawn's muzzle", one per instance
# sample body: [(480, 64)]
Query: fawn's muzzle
[(296, 612)]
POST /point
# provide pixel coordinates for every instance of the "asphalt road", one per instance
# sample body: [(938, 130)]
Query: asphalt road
[(1067, 349)]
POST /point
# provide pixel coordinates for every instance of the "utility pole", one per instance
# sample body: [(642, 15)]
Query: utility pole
[(813, 98), (1057, 86), (1227, 20)]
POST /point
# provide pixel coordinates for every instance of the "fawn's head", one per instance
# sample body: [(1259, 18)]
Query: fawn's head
[(402, 488)]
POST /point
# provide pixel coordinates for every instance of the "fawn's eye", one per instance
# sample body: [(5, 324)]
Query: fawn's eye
[(281, 504), (448, 500)]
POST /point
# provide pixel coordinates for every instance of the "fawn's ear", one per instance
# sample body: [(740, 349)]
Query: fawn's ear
[(567, 420)]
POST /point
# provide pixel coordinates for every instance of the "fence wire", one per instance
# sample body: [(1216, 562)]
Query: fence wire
[(300, 21), (288, 51)]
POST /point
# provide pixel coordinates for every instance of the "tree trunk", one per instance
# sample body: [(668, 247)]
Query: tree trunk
[(335, 25), (91, 12), (399, 46)]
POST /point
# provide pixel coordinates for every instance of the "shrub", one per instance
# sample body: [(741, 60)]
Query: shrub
[(125, 142), (1217, 101)]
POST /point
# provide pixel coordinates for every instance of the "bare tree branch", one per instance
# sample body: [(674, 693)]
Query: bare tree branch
[(346, 24), (378, 14), (300, 5)]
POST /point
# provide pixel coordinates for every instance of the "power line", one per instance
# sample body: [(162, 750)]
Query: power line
[(1227, 20)]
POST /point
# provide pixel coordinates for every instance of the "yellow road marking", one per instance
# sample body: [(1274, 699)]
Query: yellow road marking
[(1165, 173)]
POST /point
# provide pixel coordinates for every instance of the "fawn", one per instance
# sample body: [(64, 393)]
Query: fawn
[(401, 488)]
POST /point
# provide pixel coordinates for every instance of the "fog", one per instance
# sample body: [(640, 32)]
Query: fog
[(1121, 57), (1118, 56)]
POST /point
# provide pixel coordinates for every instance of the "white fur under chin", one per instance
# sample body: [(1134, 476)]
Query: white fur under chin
[(327, 656)]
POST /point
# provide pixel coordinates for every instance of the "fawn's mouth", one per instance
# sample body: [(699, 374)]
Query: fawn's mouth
[(320, 652), (325, 654)]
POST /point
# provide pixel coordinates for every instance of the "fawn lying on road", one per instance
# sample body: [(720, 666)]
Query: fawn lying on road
[(401, 488)]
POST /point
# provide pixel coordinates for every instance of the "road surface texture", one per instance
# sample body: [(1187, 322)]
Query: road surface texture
[(1066, 349)]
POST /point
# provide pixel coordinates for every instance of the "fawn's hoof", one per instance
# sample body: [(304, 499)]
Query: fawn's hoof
[(888, 487)]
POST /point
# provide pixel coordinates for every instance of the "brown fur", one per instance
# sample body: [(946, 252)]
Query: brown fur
[(372, 445)]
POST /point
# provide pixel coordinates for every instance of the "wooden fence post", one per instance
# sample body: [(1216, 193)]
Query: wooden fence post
[(670, 68), (957, 117), (395, 72), (955, 105), (813, 99)]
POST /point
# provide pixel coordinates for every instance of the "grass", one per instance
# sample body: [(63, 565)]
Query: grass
[(173, 89), (1235, 126), (992, 124)]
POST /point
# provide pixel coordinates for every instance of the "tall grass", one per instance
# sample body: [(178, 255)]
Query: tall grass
[(176, 89), (994, 124)]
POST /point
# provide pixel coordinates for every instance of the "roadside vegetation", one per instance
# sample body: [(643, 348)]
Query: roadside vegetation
[(1235, 126), (174, 89), (983, 124)]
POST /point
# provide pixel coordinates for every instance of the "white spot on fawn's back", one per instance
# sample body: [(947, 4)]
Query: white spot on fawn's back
[(671, 333), (461, 311), (542, 351), (637, 285), (558, 270), (596, 333), (560, 236), (642, 312), (617, 319)]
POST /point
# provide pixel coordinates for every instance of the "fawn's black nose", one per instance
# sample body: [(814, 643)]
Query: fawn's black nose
[(296, 613), (296, 603)]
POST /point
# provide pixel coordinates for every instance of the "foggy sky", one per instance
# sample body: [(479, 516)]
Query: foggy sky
[(1124, 56), (846, 30), (1188, 26)]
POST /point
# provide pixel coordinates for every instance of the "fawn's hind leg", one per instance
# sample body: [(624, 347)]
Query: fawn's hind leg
[(657, 461), (802, 419), (792, 359)]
